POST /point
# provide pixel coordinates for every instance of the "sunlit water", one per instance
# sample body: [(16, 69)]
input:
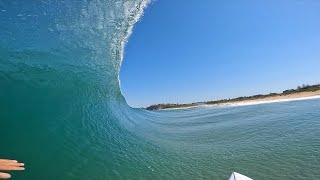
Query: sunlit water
[(63, 114)]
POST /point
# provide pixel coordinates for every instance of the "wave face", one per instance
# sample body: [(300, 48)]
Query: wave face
[(63, 114)]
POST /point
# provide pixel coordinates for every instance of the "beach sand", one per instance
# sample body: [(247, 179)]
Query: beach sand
[(297, 96), (274, 99)]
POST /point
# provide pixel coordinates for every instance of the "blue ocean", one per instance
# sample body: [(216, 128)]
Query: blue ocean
[(63, 114)]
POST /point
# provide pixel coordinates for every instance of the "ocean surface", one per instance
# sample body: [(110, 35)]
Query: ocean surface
[(63, 114)]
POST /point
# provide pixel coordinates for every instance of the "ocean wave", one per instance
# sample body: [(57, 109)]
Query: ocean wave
[(62, 111)]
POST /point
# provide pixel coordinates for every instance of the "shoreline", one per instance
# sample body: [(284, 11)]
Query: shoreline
[(299, 94), (267, 100), (277, 99)]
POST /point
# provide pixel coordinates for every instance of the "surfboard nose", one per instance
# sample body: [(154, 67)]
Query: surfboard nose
[(238, 176)]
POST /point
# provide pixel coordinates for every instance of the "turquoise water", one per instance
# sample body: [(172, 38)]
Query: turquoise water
[(63, 114)]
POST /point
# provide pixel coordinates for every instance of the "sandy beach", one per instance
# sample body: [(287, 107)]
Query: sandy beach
[(273, 99), (300, 96)]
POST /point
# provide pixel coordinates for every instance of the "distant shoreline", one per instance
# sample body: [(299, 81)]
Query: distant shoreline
[(275, 99), (301, 93)]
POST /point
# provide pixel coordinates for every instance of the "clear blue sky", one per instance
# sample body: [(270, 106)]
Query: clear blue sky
[(188, 51)]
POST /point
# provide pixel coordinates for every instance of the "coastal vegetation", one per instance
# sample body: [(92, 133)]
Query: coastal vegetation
[(299, 89)]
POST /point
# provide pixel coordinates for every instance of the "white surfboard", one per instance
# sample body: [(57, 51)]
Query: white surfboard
[(237, 176)]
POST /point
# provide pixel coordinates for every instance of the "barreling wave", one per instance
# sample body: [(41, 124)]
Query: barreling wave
[(59, 78), (86, 34)]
